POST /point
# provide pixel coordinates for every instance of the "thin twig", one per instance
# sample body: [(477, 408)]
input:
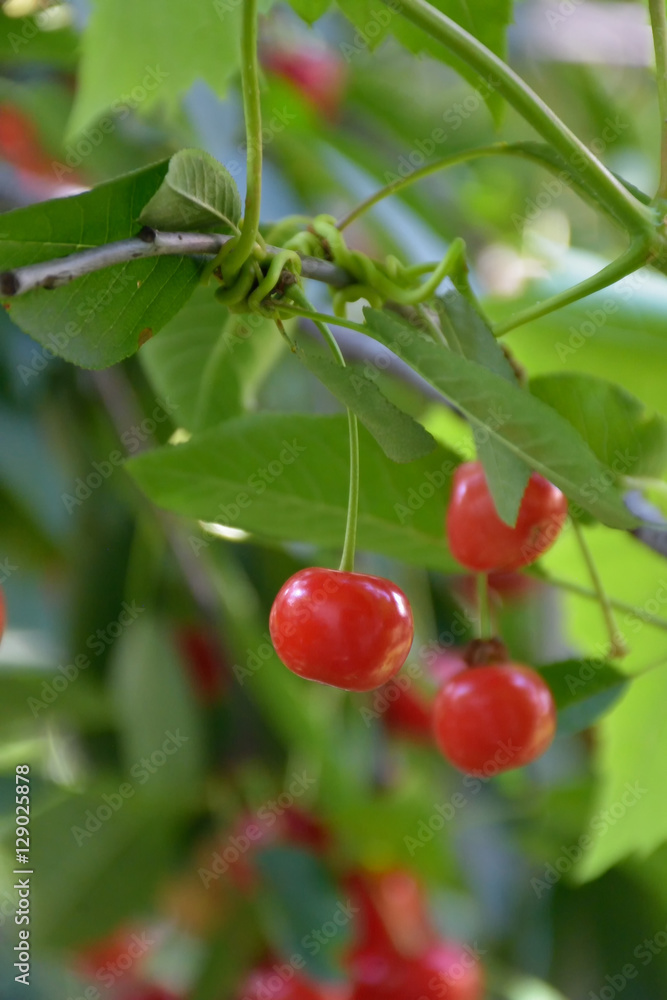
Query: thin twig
[(148, 243)]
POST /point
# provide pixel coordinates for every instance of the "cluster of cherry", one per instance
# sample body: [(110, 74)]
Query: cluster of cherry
[(355, 631)]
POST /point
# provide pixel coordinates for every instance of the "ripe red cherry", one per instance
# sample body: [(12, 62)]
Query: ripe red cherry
[(494, 718), (446, 969), (346, 629), (481, 542)]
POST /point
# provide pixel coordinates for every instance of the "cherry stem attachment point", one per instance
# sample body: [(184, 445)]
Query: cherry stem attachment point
[(350, 543), (617, 646)]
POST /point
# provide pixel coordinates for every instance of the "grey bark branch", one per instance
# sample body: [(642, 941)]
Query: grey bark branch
[(149, 243)]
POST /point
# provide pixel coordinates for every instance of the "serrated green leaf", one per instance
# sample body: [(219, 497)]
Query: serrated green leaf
[(532, 430), (209, 364), (286, 476), (101, 318), (197, 193), (611, 421), (310, 10), (469, 335), (139, 55), (583, 690), (629, 815), (399, 435), (161, 750)]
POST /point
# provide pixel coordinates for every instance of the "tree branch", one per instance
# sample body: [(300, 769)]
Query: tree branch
[(148, 243)]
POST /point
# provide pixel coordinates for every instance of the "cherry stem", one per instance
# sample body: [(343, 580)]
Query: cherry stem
[(253, 123), (350, 543), (659, 29), (483, 608), (590, 595), (617, 646)]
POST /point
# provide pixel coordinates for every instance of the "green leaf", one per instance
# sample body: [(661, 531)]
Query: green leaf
[(583, 690), (100, 857), (310, 10), (198, 192), (611, 421), (139, 55), (629, 815), (209, 364), (399, 435), (101, 318), (469, 335), (23, 40), (286, 476), (488, 22), (161, 749), (532, 430), (303, 898)]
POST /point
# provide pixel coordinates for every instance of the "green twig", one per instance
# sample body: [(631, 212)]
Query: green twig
[(617, 647), (483, 608), (350, 544), (242, 250), (634, 257), (659, 29), (612, 194)]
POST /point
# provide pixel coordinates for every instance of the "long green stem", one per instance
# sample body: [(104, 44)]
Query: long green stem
[(350, 544), (318, 317), (253, 126), (590, 595), (634, 216), (636, 255), (659, 28), (617, 647), (518, 149)]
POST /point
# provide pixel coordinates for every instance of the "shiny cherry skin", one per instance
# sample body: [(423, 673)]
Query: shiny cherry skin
[(494, 718), (345, 629), (481, 542)]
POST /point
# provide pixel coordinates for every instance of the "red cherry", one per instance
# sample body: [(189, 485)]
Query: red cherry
[(204, 659), (446, 970), (494, 718), (346, 629), (446, 663), (481, 542), (319, 75), (408, 714)]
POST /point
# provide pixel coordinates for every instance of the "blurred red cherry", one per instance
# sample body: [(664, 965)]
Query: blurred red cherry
[(408, 713), (447, 663), (281, 982), (20, 143), (318, 74), (205, 660)]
